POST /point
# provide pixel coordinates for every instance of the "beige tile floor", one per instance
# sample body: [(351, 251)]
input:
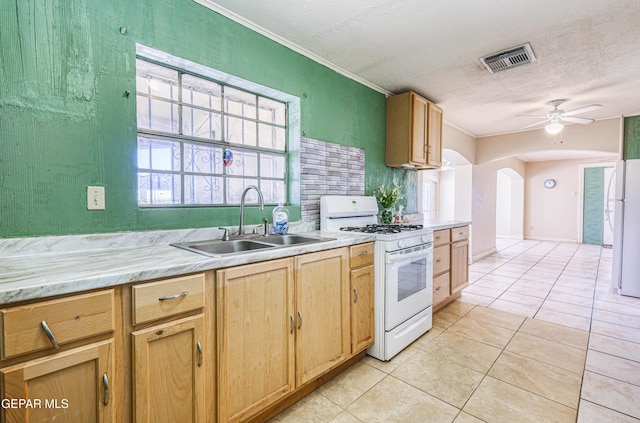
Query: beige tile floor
[(538, 336)]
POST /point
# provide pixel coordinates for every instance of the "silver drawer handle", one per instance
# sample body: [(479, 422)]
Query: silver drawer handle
[(173, 297), (105, 383), (293, 322), (363, 253), (52, 338), (355, 291), (299, 319), (199, 346)]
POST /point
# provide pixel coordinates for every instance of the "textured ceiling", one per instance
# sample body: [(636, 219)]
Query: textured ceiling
[(587, 51)]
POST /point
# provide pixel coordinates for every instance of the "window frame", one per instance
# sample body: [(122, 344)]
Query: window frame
[(291, 127)]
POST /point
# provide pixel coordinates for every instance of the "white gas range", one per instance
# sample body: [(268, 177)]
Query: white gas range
[(403, 267)]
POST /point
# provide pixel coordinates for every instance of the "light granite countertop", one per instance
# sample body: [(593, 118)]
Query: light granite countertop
[(40, 267), (436, 225)]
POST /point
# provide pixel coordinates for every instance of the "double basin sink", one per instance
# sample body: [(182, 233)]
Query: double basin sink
[(217, 248)]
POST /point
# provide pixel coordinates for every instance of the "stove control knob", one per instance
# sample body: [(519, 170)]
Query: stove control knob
[(402, 243), (424, 238)]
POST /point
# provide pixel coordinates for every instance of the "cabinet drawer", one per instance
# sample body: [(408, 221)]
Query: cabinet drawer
[(67, 319), (459, 234), (155, 300), (440, 288), (441, 259), (361, 255), (441, 237)]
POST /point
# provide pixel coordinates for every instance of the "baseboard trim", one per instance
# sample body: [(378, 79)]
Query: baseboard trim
[(485, 253), (541, 238)]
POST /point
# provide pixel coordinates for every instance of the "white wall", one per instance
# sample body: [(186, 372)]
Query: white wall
[(484, 203), (460, 142), (463, 193), (509, 204), (555, 214), (601, 137)]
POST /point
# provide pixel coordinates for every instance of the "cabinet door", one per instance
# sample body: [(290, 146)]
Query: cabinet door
[(69, 387), (255, 337), (434, 136), (418, 130), (169, 371), (459, 265), (322, 312), (361, 308)]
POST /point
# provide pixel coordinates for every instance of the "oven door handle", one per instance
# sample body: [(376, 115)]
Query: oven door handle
[(390, 258)]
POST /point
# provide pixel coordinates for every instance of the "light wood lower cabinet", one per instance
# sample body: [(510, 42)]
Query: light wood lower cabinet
[(169, 372), (256, 325), (281, 324), (362, 289), (450, 264), (459, 265), (72, 386), (322, 308)]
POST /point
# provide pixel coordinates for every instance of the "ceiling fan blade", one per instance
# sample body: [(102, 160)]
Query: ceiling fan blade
[(583, 121), (533, 116), (535, 124), (584, 109)]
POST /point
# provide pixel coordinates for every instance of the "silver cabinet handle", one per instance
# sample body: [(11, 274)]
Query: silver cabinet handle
[(52, 338), (299, 319), (355, 292), (105, 383), (199, 345), (363, 253), (293, 322), (173, 297)]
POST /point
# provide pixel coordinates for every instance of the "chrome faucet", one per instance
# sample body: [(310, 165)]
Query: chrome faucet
[(244, 194)]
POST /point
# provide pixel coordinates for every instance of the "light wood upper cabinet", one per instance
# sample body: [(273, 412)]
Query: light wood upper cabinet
[(256, 334), (322, 311), (169, 372), (72, 386), (414, 132), (434, 137)]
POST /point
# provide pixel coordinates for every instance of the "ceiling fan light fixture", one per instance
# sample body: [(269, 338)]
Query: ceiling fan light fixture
[(554, 127)]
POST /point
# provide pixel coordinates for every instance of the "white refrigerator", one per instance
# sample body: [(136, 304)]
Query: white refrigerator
[(626, 235)]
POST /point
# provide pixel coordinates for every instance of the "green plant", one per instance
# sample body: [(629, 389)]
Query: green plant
[(387, 198)]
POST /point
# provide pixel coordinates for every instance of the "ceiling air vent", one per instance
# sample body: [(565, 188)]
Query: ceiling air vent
[(509, 58)]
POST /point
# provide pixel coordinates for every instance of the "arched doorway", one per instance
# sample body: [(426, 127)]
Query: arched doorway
[(509, 204)]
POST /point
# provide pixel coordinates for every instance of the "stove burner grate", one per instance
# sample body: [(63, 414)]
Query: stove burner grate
[(382, 229)]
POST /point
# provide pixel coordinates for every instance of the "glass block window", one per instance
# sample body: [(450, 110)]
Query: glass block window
[(201, 142)]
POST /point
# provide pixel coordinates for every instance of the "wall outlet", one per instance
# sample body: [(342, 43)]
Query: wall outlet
[(95, 198)]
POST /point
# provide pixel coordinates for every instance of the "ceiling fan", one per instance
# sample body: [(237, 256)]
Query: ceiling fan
[(556, 116)]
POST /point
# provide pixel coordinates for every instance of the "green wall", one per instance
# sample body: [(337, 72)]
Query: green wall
[(631, 137), (65, 122)]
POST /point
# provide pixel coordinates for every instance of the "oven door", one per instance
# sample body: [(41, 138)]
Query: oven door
[(409, 283)]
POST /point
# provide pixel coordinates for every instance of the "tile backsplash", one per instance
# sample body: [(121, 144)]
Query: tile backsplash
[(328, 169)]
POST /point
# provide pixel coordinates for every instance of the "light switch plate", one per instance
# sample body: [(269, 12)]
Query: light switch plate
[(95, 198)]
